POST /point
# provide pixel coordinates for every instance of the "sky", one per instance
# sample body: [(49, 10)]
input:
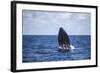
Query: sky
[(49, 22)]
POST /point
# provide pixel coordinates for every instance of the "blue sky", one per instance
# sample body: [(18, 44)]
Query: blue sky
[(49, 22)]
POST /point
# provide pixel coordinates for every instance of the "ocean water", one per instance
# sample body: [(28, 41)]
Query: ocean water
[(44, 48)]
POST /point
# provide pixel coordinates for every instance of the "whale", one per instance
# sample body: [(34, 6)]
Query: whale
[(63, 40)]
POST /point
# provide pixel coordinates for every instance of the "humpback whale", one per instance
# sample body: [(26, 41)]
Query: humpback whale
[(63, 40)]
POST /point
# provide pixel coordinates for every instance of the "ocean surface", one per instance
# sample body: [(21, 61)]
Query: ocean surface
[(44, 48)]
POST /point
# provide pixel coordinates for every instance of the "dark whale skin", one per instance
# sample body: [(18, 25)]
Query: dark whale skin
[(63, 39)]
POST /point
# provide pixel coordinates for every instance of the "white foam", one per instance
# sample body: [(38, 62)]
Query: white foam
[(72, 47)]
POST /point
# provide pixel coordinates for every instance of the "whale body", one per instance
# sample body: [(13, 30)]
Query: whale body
[(63, 40)]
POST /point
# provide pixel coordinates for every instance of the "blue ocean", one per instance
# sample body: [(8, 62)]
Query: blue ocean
[(44, 48)]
